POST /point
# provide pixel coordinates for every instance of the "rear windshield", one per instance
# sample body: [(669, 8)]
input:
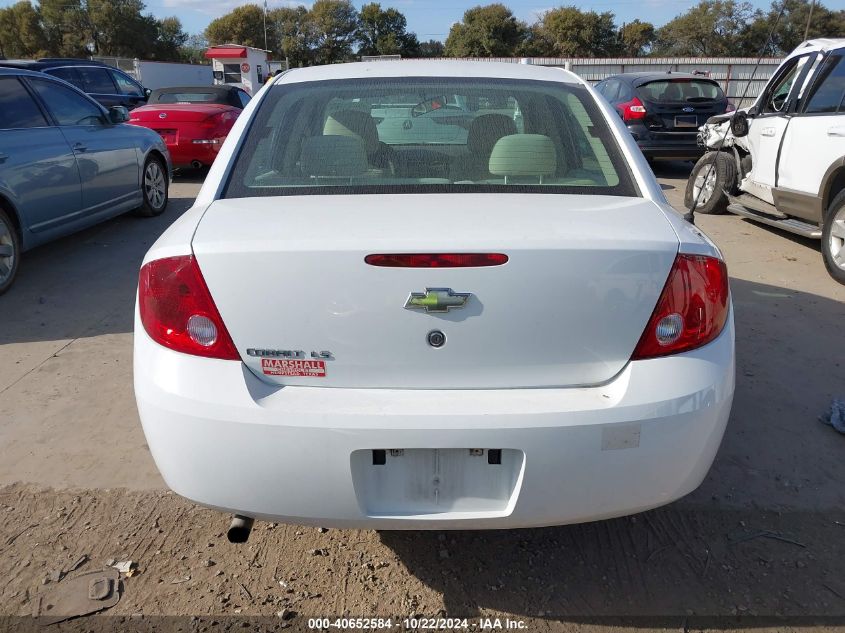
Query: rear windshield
[(428, 135), (189, 97), (680, 90)]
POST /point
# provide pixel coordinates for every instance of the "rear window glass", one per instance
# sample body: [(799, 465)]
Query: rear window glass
[(432, 135), (680, 90), (190, 97)]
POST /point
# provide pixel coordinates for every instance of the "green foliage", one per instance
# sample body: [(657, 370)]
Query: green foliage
[(636, 38), (335, 24), (570, 32), (193, 50), (432, 48), (792, 24), (712, 28), (243, 25), (170, 39), (331, 31), (79, 28), (21, 34), (486, 31), (295, 33), (384, 32), (65, 26)]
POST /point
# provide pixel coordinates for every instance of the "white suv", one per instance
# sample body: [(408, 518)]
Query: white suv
[(782, 161)]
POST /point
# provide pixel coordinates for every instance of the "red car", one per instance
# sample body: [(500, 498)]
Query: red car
[(193, 121)]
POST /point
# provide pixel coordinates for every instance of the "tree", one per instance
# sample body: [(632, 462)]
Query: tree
[(21, 33), (712, 28), (636, 38), (335, 24), (570, 32), (432, 48), (65, 25), (295, 33), (193, 50), (792, 24), (384, 32), (118, 28), (170, 39), (486, 31), (243, 25)]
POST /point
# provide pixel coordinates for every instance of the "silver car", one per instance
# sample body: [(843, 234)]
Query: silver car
[(67, 163)]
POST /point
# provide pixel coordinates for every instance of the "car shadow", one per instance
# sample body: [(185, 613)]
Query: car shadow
[(671, 168), (807, 242), (757, 542), (83, 284), (190, 176)]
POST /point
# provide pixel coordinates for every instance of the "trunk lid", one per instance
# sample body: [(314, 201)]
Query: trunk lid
[(583, 277), (175, 113)]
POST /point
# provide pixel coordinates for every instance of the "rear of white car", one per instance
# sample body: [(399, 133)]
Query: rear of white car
[(497, 322)]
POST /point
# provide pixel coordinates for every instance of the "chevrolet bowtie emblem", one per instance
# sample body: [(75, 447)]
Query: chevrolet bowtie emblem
[(437, 300)]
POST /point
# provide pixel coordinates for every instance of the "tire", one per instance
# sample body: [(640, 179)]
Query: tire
[(718, 171), (155, 185), (10, 252), (833, 238)]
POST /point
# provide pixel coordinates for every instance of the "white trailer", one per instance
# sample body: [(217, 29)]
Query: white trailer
[(166, 75), (154, 75), (237, 65)]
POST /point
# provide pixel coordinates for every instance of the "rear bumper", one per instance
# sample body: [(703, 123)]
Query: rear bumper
[(225, 439), (662, 145), (186, 152)]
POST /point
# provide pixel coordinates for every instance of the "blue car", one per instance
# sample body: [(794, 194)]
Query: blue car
[(67, 163)]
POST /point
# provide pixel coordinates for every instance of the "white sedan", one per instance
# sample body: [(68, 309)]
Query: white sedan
[(502, 328)]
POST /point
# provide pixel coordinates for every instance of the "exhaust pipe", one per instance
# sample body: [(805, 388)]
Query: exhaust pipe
[(196, 164), (240, 529)]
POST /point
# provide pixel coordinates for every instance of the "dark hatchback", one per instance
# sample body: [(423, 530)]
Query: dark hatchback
[(105, 84), (663, 111)]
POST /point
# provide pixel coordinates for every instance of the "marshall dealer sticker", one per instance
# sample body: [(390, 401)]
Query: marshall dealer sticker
[(286, 367)]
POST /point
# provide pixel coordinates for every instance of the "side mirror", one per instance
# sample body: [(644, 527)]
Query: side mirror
[(739, 124), (118, 114)]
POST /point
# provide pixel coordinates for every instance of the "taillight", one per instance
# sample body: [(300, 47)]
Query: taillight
[(692, 308), (632, 110), (436, 260), (177, 310)]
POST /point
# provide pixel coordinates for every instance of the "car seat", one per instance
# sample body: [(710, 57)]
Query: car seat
[(358, 124)]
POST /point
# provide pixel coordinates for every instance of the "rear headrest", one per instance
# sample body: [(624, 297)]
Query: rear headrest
[(672, 92), (523, 155), (355, 124), (333, 156), (485, 130)]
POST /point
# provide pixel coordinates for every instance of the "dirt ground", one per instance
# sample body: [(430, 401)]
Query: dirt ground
[(760, 545)]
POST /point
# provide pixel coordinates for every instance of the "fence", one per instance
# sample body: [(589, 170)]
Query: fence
[(736, 75), (732, 73)]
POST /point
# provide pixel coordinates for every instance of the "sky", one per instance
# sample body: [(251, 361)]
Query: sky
[(431, 19)]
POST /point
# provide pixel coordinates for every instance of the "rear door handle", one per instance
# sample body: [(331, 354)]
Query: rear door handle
[(3, 157), (79, 147), (836, 131)]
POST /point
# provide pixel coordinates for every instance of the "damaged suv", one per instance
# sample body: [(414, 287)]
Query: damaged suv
[(782, 161)]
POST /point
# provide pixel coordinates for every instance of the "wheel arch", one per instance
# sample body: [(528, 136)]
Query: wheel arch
[(156, 153), (832, 183), (14, 216)]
